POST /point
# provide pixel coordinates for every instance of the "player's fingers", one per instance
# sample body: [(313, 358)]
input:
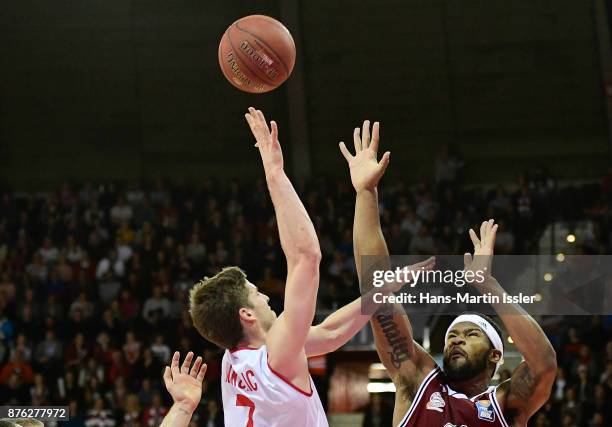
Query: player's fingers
[(429, 263), (483, 232), (384, 162), (365, 135), (493, 234), (475, 239), (274, 131), (187, 363), (345, 152), (167, 376), (467, 259), (196, 367), (174, 365), (253, 114), (357, 140), (375, 136), (262, 119), (202, 372)]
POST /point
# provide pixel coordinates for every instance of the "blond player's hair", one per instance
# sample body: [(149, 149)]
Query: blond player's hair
[(214, 304), (27, 422)]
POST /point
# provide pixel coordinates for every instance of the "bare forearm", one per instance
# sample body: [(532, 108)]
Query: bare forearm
[(297, 233), (287, 337), (367, 234), (344, 323), (392, 331), (527, 335), (178, 416)]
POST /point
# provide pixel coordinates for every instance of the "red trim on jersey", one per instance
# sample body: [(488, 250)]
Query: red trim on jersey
[(235, 349), (289, 382)]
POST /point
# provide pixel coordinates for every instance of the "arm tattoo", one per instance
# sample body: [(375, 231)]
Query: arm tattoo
[(399, 344), (523, 383)]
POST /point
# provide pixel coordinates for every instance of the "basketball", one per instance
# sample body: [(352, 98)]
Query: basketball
[(256, 54)]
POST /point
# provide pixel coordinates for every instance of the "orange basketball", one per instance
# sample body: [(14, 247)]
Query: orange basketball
[(256, 54)]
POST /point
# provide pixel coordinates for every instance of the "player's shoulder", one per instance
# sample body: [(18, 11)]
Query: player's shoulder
[(410, 385)]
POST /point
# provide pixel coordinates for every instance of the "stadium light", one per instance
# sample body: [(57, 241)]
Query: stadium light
[(560, 257), (571, 238), (381, 388), (378, 367), (548, 277)]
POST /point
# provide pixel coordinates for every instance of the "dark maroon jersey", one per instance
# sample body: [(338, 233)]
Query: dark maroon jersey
[(437, 405)]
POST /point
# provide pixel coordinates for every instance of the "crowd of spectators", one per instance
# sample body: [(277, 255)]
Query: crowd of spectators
[(94, 279)]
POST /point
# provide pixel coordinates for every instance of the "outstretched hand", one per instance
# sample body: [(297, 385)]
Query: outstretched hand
[(366, 171), (482, 258), (184, 384), (267, 140)]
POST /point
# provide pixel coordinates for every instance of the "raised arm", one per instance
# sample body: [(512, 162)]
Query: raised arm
[(403, 358), (287, 336), (531, 382)]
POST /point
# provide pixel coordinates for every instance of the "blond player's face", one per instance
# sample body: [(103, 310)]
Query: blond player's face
[(259, 301)]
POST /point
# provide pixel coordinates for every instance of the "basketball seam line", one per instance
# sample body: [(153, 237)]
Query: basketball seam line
[(246, 64), (266, 45)]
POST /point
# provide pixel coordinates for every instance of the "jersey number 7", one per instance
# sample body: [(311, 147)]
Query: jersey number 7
[(245, 401)]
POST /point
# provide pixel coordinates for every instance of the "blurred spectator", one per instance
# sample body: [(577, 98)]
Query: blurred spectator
[(16, 369), (110, 264), (48, 252), (39, 393), (99, 416), (7, 287), (160, 350), (49, 352), (131, 348), (154, 413), (121, 212), (213, 417), (156, 306)]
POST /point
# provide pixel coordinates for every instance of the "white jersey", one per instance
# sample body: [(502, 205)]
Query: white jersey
[(256, 396)]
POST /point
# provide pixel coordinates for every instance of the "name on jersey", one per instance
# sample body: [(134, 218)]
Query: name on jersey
[(242, 380)]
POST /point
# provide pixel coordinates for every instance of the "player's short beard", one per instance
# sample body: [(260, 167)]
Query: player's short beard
[(473, 366)]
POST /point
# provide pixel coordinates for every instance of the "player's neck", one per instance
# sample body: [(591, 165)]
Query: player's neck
[(472, 387), (253, 340)]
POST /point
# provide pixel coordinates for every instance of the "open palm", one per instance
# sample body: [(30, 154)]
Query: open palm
[(365, 170), (184, 384)]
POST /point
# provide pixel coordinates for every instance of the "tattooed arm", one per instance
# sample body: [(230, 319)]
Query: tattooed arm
[(405, 360), (531, 382)]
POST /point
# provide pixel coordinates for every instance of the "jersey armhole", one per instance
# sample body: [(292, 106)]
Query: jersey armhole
[(497, 407), (418, 396), (288, 382)]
